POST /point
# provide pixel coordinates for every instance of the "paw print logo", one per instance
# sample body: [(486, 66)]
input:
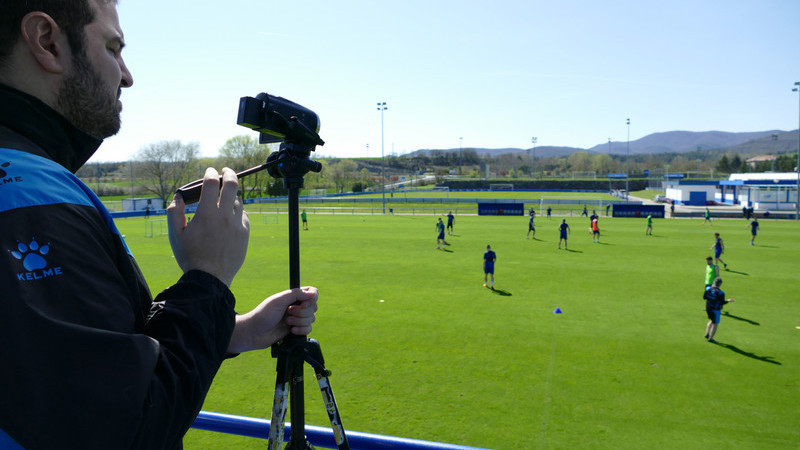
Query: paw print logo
[(3, 173), (31, 255)]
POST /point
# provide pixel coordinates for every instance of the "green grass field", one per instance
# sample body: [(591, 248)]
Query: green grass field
[(419, 349)]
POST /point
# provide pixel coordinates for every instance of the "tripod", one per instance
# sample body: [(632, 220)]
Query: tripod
[(291, 162)]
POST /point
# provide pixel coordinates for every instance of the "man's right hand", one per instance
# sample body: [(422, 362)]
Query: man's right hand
[(215, 241)]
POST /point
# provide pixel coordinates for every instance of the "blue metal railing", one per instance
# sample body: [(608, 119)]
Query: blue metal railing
[(317, 436)]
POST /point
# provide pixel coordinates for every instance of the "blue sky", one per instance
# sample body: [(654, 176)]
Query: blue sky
[(494, 73)]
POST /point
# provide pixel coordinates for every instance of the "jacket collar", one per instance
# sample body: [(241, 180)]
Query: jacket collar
[(36, 121)]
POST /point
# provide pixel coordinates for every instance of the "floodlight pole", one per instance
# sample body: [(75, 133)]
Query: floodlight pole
[(797, 197), (533, 157), (382, 107), (628, 163), (460, 156)]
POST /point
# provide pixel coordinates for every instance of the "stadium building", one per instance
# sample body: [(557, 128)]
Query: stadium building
[(765, 190)]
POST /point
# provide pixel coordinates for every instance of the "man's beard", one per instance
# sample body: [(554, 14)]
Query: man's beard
[(84, 100)]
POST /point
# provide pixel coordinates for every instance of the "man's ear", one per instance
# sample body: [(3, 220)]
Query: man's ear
[(45, 41)]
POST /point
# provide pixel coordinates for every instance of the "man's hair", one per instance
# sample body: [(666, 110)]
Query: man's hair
[(71, 15), (718, 282), (709, 258)]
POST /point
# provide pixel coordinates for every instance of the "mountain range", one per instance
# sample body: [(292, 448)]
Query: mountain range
[(745, 144)]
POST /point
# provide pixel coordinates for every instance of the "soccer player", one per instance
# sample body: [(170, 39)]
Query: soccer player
[(440, 242), (305, 219), (563, 230), (595, 230), (715, 300), (707, 218), (719, 249), (753, 230), (649, 230), (712, 271), (450, 220), (489, 257), (531, 227), (549, 210)]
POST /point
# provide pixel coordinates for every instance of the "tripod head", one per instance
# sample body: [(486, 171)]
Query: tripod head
[(291, 163)]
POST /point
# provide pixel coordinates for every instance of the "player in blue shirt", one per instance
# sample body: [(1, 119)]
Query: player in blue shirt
[(563, 230), (440, 242), (450, 219), (753, 230), (489, 257), (719, 249), (531, 228), (715, 300)]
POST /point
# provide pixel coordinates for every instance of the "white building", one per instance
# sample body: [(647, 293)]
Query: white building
[(765, 190), (691, 192)]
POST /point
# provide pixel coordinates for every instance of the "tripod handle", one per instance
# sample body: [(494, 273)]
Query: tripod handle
[(191, 191)]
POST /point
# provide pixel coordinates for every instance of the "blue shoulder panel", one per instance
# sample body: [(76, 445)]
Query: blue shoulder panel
[(6, 443), (28, 180)]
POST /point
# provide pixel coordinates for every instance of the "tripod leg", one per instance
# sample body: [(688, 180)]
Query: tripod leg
[(333, 412), (279, 405), (315, 359)]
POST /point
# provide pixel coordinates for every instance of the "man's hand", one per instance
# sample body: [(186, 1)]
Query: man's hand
[(274, 318), (215, 241)]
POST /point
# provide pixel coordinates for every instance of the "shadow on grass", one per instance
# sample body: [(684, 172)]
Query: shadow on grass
[(766, 246), (603, 243), (737, 272), (727, 314), (735, 349), (573, 251), (447, 250), (500, 292)]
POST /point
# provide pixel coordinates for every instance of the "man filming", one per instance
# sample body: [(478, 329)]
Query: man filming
[(89, 359)]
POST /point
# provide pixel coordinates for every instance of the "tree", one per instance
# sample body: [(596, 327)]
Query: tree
[(341, 172), (579, 161), (723, 165), (786, 163), (243, 152), (737, 164), (167, 165), (276, 187), (602, 163)]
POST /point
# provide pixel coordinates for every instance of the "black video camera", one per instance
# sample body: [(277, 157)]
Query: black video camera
[(278, 119)]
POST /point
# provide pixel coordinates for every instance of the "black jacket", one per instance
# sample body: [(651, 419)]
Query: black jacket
[(87, 358)]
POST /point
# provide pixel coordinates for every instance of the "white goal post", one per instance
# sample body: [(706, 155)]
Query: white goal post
[(571, 203), (445, 189), (155, 227)]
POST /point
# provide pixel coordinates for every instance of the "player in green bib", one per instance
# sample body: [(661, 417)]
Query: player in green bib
[(649, 230), (712, 271)]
